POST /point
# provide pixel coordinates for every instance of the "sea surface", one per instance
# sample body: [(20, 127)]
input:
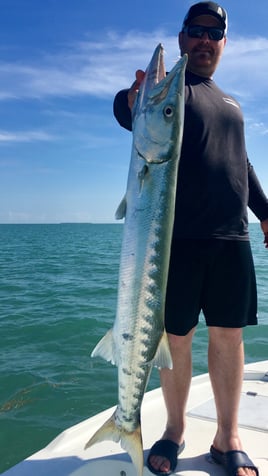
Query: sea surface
[(58, 289)]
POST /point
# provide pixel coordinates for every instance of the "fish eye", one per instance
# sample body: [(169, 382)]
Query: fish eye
[(168, 111)]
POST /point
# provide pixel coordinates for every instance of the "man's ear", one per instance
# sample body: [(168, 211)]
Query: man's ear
[(180, 39)]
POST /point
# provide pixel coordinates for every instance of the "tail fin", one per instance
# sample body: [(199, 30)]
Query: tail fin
[(131, 442)]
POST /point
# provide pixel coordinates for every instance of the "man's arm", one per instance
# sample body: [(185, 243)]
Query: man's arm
[(258, 202), (264, 226)]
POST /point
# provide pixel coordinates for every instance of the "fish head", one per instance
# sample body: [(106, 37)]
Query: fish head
[(159, 110), (154, 73)]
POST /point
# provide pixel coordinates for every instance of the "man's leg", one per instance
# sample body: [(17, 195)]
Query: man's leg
[(226, 366), (175, 387)]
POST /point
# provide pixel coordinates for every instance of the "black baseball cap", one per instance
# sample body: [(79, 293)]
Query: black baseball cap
[(206, 8)]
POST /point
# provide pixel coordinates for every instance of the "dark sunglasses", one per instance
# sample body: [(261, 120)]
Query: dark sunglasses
[(197, 31)]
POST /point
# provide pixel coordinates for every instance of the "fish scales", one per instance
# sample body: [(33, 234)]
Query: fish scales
[(138, 340)]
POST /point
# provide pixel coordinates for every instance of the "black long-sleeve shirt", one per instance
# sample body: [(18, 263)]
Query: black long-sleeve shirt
[(216, 182)]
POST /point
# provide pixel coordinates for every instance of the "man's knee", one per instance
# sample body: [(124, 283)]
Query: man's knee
[(226, 335), (180, 342)]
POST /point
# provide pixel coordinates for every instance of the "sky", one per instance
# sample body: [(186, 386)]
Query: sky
[(63, 156)]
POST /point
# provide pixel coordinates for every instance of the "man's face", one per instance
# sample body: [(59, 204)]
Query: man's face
[(203, 53)]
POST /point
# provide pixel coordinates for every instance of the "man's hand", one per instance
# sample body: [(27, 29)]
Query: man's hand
[(135, 88), (264, 226)]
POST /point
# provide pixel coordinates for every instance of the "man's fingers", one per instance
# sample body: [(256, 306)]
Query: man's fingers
[(139, 76), (135, 87)]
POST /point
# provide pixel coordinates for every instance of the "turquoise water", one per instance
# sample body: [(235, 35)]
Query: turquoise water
[(58, 287)]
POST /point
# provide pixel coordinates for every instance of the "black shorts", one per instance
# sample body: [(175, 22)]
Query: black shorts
[(215, 276)]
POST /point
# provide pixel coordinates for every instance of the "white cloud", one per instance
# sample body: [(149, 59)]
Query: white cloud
[(101, 67), (244, 67), (258, 127), (24, 136)]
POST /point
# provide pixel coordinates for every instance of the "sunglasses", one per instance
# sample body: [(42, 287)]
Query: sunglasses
[(197, 31)]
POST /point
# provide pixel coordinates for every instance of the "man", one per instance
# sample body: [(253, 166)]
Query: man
[(211, 266)]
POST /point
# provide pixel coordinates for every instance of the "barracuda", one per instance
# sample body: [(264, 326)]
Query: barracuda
[(138, 341)]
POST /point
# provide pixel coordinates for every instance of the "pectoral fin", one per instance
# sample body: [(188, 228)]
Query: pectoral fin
[(163, 357), (106, 348)]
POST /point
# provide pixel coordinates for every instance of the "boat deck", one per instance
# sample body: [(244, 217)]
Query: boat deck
[(65, 456)]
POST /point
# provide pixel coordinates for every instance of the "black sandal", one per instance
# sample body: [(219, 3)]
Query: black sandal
[(169, 450), (233, 460)]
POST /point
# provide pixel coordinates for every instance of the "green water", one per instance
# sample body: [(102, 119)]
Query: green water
[(58, 287)]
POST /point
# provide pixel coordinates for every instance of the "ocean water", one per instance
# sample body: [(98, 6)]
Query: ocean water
[(58, 288)]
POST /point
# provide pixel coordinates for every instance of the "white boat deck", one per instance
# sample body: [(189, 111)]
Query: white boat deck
[(65, 456)]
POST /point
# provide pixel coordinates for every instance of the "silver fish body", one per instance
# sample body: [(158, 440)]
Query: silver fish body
[(138, 341)]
